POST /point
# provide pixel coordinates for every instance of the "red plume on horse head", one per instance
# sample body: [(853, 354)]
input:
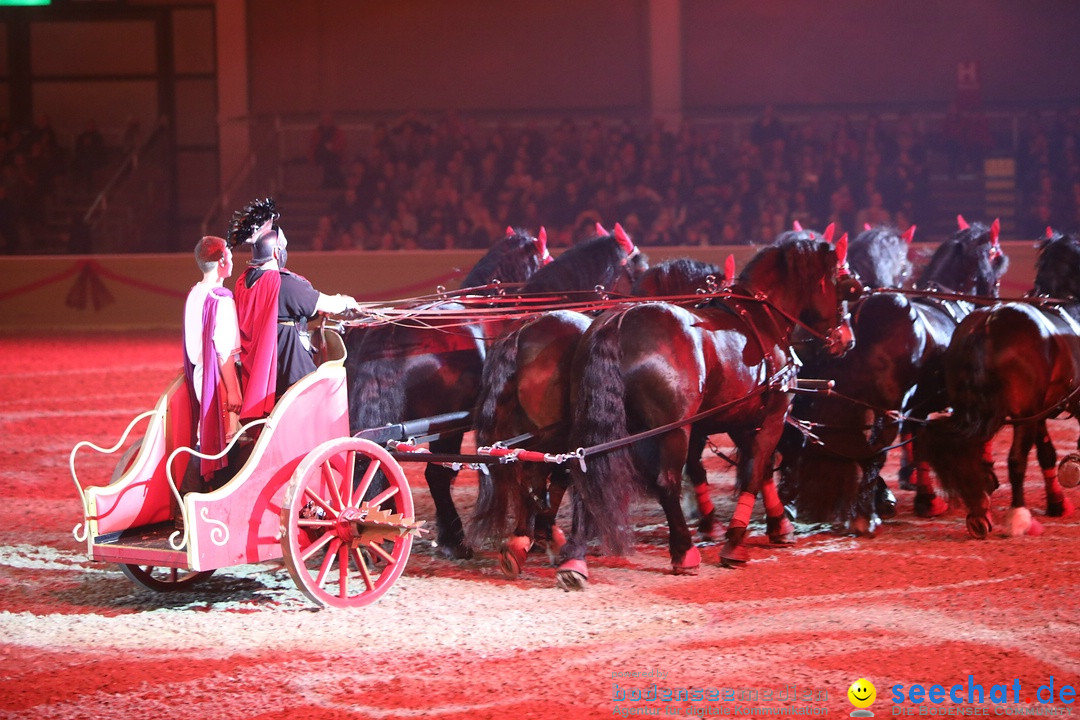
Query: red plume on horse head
[(830, 230), (509, 231), (841, 255), (729, 270), (961, 223), (796, 226), (995, 244), (601, 231), (908, 235), (542, 248), (625, 242)]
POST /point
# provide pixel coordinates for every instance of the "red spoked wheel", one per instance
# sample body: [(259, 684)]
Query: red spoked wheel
[(341, 549), (164, 579)]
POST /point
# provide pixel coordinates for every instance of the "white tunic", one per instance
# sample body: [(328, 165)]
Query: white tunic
[(226, 330)]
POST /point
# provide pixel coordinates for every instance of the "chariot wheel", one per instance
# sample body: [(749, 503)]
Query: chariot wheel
[(125, 461), (343, 548), (164, 579)]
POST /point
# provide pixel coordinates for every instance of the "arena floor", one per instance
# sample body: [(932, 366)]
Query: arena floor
[(921, 604)]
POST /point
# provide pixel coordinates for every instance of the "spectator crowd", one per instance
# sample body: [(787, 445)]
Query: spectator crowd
[(442, 183), (33, 162)]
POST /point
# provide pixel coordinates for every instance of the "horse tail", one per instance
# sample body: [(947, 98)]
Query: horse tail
[(499, 367), (957, 459), (974, 384), (375, 382), (492, 509), (954, 444), (602, 493)]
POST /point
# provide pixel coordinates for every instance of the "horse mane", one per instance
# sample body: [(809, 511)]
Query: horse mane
[(1057, 268), (677, 276), (879, 257), (781, 257), (512, 259), (962, 263), (581, 267)]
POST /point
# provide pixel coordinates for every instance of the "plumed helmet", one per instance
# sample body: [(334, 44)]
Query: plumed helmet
[(253, 225)]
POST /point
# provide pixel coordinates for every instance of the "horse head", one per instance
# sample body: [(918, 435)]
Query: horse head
[(514, 258), (1057, 268), (610, 260), (677, 276), (970, 262), (805, 281), (879, 256)]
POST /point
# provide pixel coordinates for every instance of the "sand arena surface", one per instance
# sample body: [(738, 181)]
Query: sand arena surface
[(921, 603)]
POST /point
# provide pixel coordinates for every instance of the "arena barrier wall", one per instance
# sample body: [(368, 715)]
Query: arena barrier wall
[(146, 292)]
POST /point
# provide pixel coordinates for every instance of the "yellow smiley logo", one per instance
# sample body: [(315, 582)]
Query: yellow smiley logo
[(862, 693)]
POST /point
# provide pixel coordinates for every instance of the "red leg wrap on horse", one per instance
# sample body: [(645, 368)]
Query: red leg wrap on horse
[(1053, 487), (704, 502), (771, 497), (741, 517)]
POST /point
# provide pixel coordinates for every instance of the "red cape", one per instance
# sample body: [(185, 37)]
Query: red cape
[(256, 312)]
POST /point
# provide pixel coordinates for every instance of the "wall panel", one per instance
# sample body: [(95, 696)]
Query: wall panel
[(115, 47), (749, 52), (474, 54)]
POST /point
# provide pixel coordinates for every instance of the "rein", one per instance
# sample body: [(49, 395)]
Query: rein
[(783, 380)]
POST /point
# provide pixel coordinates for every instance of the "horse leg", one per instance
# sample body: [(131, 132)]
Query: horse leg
[(450, 535), (516, 548), (1057, 505), (884, 500), (1019, 520), (907, 461), (558, 482), (708, 525), (927, 502), (756, 449), (777, 524), (875, 500), (685, 557), (573, 572)]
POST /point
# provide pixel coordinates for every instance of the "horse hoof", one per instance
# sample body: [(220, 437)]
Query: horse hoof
[(979, 526), (780, 531), (733, 556), (884, 503), (513, 554), (689, 564), (1060, 508), (928, 505), (572, 575), (1069, 471), (863, 526), (460, 551), (1017, 521)]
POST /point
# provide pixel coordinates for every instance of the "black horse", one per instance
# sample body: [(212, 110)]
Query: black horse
[(398, 373), (525, 393), (893, 371), (1014, 363), (663, 368)]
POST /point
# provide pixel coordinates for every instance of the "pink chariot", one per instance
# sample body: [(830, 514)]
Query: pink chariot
[(298, 497)]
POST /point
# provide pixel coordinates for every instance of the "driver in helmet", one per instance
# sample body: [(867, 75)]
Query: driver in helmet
[(273, 307)]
